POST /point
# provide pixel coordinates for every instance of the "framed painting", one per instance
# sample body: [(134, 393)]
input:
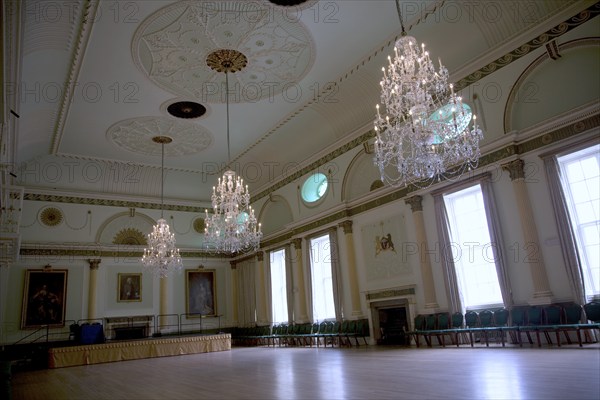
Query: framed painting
[(129, 288), (200, 292), (44, 298)]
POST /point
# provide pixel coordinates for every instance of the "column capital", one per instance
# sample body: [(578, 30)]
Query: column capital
[(260, 255), (346, 226), (415, 203), (516, 169), (297, 242), (94, 263)]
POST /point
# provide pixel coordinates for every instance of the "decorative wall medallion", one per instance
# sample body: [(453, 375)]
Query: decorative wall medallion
[(130, 236), (171, 46), (136, 135), (51, 216), (199, 225)]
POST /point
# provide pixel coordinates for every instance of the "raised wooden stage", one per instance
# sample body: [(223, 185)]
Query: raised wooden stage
[(135, 349)]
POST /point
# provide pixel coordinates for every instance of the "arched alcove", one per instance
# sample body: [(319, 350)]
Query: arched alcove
[(362, 177), (275, 214), (127, 228), (548, 87)]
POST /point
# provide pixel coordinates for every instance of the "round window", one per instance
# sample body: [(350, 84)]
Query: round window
[(314, 187)]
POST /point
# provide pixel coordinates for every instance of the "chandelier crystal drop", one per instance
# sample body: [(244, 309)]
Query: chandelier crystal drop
[(161, 257), (232, 227), (426, 132)]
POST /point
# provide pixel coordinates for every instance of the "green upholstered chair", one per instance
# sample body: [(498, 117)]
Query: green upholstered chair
[(592, 313), (430, 326), (456, 327), (518, 318), (486, 324), (501, 317), (419, 327), (323, 328), (343, 334), (442, 328), (552, 319), (534, 322), (471, 324), (572, 322), (362, 329)]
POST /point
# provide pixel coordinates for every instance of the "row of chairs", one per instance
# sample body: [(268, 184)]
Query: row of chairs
[(324, 333), (528, 320)]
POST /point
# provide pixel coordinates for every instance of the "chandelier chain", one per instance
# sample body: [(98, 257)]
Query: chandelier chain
[(400, 17)]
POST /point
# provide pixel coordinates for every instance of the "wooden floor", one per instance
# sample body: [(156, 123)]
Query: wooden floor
[(374, 372)]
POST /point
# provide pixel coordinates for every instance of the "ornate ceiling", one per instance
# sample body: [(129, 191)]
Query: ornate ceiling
[(92, 81)]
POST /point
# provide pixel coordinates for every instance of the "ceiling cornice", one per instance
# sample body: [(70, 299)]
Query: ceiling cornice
[(88, 16)]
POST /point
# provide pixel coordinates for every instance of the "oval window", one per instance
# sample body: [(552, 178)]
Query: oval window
[(314, 187)]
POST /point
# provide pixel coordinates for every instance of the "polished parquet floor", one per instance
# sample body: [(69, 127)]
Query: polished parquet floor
[(373, 372)]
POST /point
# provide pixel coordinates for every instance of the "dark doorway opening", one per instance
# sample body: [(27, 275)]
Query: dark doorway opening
[(393, 325)]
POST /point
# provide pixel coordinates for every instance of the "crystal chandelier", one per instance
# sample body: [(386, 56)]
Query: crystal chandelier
[(232, 227), (161, 257), (426, 132)]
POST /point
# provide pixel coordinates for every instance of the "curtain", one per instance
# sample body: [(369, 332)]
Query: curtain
[(566, 236), (247, 293), (268, 287), (493, 221), (289, 276), (455, 302), (336, 275)]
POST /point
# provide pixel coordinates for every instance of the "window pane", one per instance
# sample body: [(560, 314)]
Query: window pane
[(470, 240), (322, 279), (279, 286), (580, 183)]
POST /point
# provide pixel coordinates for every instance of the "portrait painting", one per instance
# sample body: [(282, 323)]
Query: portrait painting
[(44, 298), (200, 292), (129, 287)]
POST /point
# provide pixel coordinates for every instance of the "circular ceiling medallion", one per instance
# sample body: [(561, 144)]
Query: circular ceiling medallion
[(186, 109), (137, 135), (199, 225), (172, 45), (51, 216)]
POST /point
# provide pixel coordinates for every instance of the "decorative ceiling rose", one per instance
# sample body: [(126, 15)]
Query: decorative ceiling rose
[(162, 139), (130, 236), (186, 109), (51, 216), (199, 225), (226, 60)]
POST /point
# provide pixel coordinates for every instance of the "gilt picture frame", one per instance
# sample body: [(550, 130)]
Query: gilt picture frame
[(129, 287), (200, 293), (44, 298)]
